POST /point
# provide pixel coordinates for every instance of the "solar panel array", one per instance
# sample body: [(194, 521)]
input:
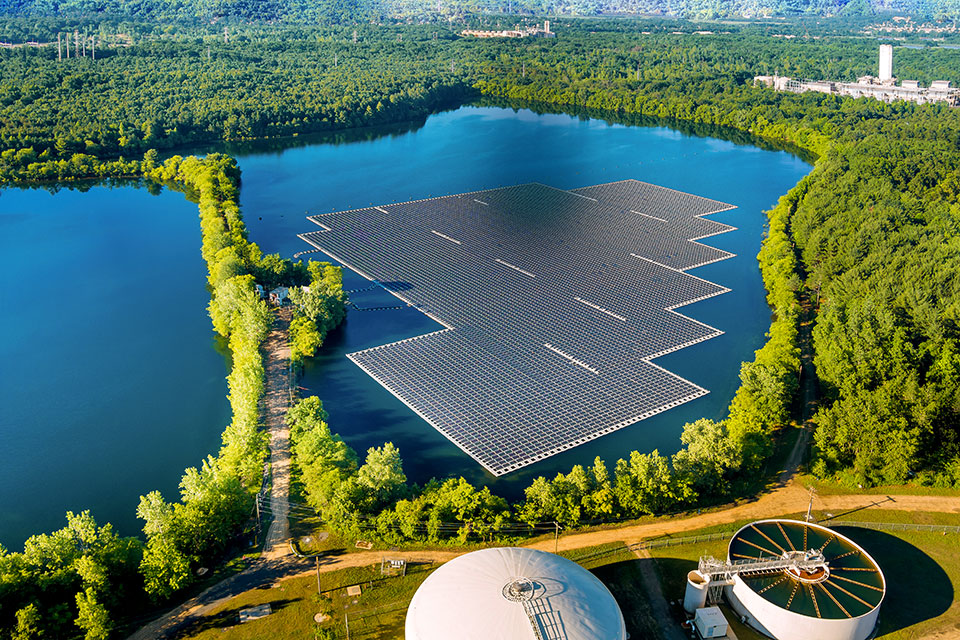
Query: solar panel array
[(554, 302)]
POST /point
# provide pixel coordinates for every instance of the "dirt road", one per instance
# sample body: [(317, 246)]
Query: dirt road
[(276, 402), (791, 498)]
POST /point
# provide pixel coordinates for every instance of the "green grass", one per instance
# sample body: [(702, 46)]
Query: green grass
[(886, 515), (827, 487), (378, 612)]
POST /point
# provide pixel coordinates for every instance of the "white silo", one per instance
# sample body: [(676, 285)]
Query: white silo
[(512, 593), (796, 580), (695, 596), (886, 62)]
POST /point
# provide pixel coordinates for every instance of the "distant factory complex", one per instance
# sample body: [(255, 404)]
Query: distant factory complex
[(883, 87), (535, 31)]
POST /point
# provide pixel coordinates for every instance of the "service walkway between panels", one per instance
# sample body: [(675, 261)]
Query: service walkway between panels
[(554, 305)]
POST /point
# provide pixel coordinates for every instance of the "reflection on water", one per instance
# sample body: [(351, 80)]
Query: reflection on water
[(479, 147)]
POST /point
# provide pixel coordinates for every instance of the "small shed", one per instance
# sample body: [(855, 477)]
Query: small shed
[(710, 622), (279, 295)]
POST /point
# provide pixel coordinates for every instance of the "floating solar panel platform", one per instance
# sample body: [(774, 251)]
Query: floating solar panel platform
[(554, 305)]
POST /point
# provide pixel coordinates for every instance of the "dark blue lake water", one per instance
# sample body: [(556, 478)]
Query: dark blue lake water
[(112, 379), (475, 148), (111, 384)]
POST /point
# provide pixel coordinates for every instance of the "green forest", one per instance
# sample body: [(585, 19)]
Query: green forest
[(868, 241), (350, 11)]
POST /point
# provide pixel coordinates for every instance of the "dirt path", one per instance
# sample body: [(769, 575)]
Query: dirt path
[(658, 603), (809, 388), (276, 402), (276, 559), (789, 499)]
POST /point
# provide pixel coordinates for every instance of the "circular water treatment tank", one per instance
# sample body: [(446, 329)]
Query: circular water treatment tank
[(832, 592), (507, 593)]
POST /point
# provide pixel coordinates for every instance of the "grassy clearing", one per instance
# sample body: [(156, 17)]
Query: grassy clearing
[(827, 488), (378, 612), (905, 517), (923, 574)]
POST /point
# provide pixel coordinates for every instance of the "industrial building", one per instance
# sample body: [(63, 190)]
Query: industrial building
[(793, 580), (881, 87), (512, 593), (517, 32)]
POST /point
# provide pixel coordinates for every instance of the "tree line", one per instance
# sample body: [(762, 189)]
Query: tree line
[(188, 87), (351, 11)]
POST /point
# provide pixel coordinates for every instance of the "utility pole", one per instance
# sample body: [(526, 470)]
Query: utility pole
[(93, 47), (556, 538), (813, 492), (256, 536), (59, 49), (317, 558)]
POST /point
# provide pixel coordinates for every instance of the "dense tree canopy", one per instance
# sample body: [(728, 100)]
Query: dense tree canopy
[(349, 11)]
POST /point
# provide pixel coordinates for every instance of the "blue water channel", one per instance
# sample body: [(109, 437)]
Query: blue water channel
[(113, 381)]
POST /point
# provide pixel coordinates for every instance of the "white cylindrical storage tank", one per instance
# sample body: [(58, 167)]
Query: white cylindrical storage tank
[(695, 597), (838, 599), (502, 593)]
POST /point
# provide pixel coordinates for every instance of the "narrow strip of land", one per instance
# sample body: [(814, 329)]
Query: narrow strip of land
[(276, 402), (276, 559), (792, 498)]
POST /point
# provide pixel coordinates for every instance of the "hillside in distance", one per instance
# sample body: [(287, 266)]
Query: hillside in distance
[(365, 10)]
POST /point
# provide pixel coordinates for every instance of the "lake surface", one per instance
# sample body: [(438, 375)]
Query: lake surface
[(474, 148), (111, 385), (113, 382)]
